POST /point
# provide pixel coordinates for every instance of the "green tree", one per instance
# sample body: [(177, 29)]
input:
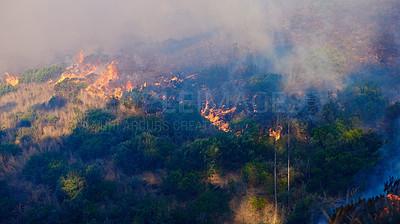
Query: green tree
[(6, 89), (268, 83), (72, 184), (41, 75), (340, 154), (365, 99), (7, 203), (10, 149), (183, 184), (45, 168), (209, 207)]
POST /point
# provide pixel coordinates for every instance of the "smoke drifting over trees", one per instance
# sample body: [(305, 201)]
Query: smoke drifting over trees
[(212, 109), (285, 33)]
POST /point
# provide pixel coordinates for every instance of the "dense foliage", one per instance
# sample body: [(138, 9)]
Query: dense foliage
[(41, 75), (7, 88)]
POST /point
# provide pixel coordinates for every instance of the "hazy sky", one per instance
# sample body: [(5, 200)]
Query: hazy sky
[(35, 33)]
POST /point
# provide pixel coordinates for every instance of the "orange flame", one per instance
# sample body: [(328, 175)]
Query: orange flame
[(393, 197), (79, 70), (12, 80), (275, 134), (129, 86), (217, 116), (118, 93), (80, 58), (100, 87)]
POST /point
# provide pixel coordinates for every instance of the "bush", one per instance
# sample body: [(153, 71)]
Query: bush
[(72, 184), (365, 99), (6, 89), (209, 207), (69, 88), (45, 168), (257, 173), (50, 119), (144, 210), (259, 203), (183, 184), (47, 214), (41, 75), (26, 119), (140, 153), (302, 212), (265, 83), (7, 204), (340, 154), (10, 149), (96, 120)]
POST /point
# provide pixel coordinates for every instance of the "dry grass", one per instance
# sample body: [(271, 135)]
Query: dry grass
[(21, 100), (244, 211), (223, 180), (32, 94), (46, 135), (240, 204)]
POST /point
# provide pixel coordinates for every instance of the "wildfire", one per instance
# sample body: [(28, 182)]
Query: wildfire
[(393, 197), (176, 79), (275, 134), (12, 80), (129, 86), (374, 210), (191, 77), (100, 87), (217, 116), (79, 70), (118, 92), (80, 58)]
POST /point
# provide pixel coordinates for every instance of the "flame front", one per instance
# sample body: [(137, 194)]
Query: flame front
[(12, 80), (101, 87), (275, 134), (216, 116), (79, 70), (129, 86), (80, 58)]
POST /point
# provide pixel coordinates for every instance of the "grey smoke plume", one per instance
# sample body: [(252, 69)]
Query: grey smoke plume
[(315, 34)]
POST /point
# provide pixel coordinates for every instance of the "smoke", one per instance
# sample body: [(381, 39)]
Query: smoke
[(35, 33), (316, 35)]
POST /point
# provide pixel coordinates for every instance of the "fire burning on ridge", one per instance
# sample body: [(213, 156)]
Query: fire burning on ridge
[(103, 81), (79, 70), (216, 116), (12, 80), (101, 86), (80, 58), (275, 134)]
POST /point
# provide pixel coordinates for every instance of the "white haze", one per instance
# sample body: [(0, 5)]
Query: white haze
[(36, 32), (42, 32)]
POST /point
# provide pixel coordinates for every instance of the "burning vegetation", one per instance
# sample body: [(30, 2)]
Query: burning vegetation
[(12, 80), (379, 209), (282, 125)]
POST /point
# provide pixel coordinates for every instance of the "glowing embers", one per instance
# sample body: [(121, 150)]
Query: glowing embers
[(218, 116), (12, 80)]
